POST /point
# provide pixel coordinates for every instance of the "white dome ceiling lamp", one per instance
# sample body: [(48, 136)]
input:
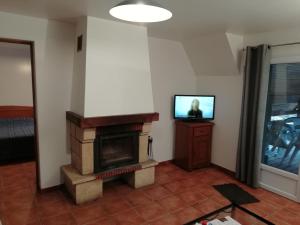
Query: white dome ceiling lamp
[(141, 11)]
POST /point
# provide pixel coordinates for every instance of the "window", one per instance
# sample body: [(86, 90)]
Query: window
[(281, 147)]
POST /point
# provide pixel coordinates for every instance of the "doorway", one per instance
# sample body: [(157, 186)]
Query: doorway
[(18, 112), (280, 149)]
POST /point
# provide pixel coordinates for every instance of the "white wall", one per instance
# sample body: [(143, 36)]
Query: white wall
[(277, 37), (118, 78), (54, 44), (216, 61), (15, 75), (78, 82), (272, 38), (171, 74), (228, 91)]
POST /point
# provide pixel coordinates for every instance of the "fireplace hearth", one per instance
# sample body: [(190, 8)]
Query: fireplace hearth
[(115, 150)]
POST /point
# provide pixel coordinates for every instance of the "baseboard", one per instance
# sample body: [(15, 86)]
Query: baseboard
[(227, 171), (224, 170), (50, 189), (279, 192), (165, 162)]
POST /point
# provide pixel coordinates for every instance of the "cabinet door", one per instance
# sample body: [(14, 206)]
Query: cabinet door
[(201, 151)]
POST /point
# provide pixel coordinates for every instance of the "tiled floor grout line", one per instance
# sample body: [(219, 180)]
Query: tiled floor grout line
[(212, 176)]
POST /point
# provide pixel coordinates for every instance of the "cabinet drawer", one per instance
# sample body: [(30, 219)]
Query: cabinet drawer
[(201, 131)]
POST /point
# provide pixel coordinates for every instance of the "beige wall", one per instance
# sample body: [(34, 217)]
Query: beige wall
[(171, 74), (15, 75), (54, 53)]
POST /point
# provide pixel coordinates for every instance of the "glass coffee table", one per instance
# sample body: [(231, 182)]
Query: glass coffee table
[(238, 213)]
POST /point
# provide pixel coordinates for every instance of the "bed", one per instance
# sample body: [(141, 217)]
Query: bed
[(17, 141)]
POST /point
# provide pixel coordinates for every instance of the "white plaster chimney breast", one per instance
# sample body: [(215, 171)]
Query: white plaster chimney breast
[(116, 78)]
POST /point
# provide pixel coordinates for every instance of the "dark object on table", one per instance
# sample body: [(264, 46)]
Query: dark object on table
[(235, 194), (233, 210)]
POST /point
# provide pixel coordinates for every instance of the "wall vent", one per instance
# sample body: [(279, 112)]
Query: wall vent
[(79, 43)]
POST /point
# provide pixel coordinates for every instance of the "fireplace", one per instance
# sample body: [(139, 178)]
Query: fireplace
[(105, 147), (115, 150)]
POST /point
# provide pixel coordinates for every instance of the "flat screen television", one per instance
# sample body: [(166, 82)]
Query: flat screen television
[(194, 107)]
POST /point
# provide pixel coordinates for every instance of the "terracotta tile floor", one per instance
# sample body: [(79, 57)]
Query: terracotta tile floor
[(176, 198)]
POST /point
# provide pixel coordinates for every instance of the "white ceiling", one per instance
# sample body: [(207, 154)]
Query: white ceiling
[(191, 17)]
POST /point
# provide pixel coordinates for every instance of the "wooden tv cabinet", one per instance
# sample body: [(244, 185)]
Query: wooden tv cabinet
[(193, 144)]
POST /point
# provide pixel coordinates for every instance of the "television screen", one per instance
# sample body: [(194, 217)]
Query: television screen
[(200, 107)]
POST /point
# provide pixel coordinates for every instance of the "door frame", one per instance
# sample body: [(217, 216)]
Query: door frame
[(272, 170), (33, 78)]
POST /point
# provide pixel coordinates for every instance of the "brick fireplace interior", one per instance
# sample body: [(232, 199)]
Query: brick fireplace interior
[(107, 147), (116, 146)]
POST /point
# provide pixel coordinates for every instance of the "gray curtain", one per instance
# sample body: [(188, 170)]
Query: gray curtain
[(257, 59)]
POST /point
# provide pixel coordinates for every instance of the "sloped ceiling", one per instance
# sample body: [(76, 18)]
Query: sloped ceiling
[(215, 55)]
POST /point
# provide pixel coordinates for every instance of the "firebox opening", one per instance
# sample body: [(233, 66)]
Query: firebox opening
[(115, 150)]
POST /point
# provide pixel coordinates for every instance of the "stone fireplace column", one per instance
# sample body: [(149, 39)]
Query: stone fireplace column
[(82, 148), (143, 143), (146, 175), (79, 179)]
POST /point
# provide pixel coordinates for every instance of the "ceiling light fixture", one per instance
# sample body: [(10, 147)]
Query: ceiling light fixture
[(141, 11)]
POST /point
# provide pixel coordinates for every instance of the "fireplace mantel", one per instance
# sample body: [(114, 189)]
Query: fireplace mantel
[(102, 121)]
